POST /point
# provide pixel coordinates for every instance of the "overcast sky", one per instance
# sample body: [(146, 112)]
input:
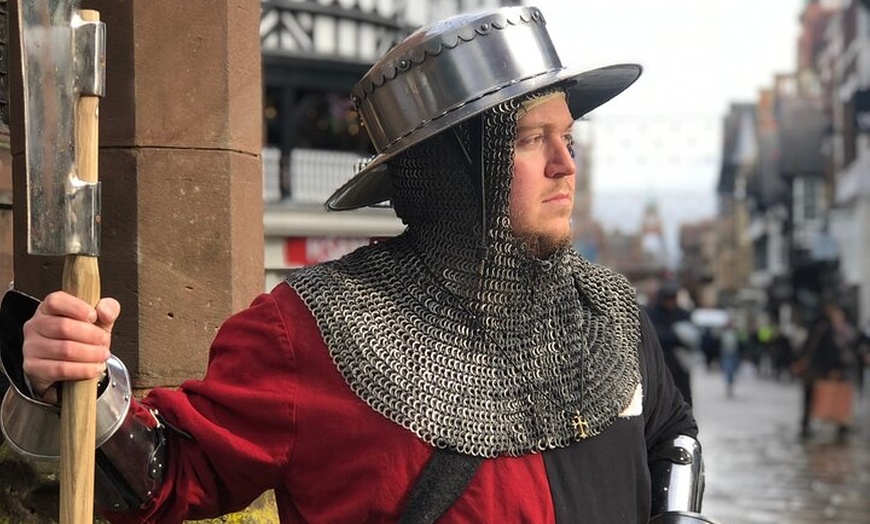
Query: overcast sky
[(697, 54), (661, 139)]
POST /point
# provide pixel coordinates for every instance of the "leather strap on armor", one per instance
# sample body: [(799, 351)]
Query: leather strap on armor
[(129, 466)]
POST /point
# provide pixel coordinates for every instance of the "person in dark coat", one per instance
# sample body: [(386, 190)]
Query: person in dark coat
[(711, 347), (673, 326), (830, 352)]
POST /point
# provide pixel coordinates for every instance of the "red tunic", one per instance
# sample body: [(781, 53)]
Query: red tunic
[(273, 412)]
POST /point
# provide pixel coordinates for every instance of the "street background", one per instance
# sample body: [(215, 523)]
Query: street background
[(760, 471)]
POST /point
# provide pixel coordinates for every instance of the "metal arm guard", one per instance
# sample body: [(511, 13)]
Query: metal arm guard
[(677, 474), (130, 455)]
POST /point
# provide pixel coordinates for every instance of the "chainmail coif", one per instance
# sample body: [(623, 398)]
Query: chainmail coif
[(488, 364)]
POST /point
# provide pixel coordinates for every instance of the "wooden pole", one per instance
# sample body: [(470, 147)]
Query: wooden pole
[(81, 277)]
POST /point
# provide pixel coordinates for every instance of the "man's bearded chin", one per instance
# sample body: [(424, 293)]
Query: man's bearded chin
[(544, 246)]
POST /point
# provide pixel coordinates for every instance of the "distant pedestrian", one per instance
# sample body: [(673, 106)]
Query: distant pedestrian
[(782, 354), (677, 335), (710, 347), (730, 355), (764, 350), (863, 357), (830, 353)]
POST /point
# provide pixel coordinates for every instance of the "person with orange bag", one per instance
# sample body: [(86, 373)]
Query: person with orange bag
[(830, 354)]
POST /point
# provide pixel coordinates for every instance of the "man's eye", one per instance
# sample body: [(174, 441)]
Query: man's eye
[(530, 140)]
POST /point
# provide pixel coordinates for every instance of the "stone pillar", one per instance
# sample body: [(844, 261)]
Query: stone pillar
[(180, 141)]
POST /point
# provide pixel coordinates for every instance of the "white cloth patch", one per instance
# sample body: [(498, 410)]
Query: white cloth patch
[(635, 407)]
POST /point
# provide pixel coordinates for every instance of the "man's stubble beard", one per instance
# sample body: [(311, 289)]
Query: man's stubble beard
[(544, 246)]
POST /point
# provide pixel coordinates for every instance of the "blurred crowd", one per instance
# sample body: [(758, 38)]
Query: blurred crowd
[(828, 355)]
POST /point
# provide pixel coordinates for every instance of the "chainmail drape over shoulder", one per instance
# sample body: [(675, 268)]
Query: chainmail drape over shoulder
[(488, 364)]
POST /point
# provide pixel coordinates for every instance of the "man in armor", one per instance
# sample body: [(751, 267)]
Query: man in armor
[(474, 368)]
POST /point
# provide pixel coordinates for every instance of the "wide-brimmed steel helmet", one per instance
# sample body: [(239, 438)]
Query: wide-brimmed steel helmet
[(452, 70)]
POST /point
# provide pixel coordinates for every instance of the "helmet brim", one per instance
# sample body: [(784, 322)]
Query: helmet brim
[(587, 90)]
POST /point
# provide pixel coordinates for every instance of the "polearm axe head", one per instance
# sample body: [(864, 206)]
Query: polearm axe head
[(62, 58)]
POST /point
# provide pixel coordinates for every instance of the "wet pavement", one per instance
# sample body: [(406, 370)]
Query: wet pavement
[(759, 470)]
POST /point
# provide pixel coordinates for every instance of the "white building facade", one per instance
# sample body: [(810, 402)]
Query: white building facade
[(847, 67)]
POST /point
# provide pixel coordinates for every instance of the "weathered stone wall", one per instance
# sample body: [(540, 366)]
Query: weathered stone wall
[(182, 226)]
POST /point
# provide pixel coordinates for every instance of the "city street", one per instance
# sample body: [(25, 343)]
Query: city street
[(759, 471)]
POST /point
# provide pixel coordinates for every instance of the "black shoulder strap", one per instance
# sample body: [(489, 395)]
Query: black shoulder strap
[(442, 481)]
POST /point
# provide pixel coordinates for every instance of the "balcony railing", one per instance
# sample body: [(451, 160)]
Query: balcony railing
[(308, 176)]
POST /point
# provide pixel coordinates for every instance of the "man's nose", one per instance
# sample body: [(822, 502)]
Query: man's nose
[(561, 161)]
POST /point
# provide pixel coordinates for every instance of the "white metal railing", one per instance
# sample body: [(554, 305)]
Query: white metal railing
[(310, 176), (271, 174)]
